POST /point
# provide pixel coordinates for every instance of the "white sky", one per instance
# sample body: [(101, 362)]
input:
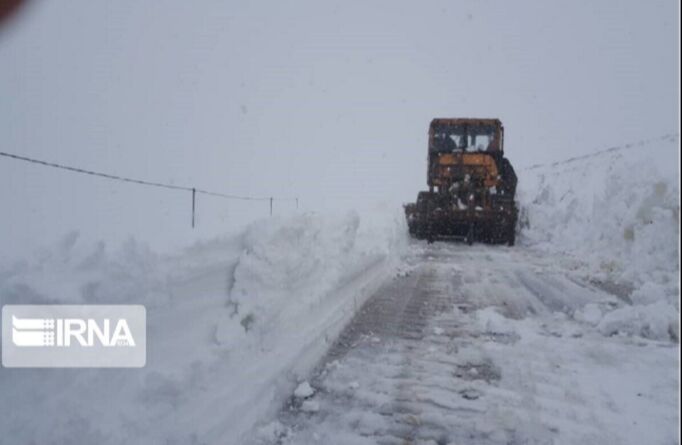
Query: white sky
[(328, 101)]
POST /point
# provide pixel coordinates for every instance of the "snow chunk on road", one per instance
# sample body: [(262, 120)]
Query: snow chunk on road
[(490, 320), (658, 321), (590, 314), (304, 390), (310, 406)]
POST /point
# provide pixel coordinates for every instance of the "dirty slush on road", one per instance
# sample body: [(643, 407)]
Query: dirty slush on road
[(482, 345)]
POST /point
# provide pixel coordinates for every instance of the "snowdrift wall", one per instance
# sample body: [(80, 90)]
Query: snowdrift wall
[(616, 215), (234, 323)]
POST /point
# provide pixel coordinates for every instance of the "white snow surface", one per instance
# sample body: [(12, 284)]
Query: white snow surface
[(481, 345), (614, 216), (236, 323), (232, 325)]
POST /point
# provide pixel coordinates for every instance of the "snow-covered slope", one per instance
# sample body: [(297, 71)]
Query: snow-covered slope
[(235, 323), (232, 324), (614, 215)]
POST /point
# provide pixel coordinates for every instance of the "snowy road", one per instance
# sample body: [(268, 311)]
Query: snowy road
[(486, 345)]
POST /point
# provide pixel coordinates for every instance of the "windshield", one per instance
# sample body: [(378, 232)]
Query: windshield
[(463, 137)]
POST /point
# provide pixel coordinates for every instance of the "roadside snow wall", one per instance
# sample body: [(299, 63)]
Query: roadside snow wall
[(232, 324), (615, 215)]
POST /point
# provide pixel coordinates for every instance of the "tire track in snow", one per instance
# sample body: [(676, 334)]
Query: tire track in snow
[(473, 345)]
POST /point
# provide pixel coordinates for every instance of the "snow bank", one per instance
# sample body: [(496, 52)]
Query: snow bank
[(233, 325), (616, 213)]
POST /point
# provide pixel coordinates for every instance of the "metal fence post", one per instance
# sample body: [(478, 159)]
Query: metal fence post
[(194, 195)]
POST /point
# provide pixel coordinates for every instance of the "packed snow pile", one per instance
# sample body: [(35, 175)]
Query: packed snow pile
[(615, 215), (299, 265), (233, 326)]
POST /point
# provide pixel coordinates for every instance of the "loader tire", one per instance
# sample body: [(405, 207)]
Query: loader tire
[(511, 238)]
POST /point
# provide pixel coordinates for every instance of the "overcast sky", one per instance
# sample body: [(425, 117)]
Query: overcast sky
[(327, 101)]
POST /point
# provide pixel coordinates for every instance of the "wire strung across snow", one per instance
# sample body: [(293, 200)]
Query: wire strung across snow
[(666, 137), (193, 190), (140, 181)]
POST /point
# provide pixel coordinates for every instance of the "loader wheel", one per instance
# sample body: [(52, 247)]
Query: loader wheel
[(420, 231), (511, 238)]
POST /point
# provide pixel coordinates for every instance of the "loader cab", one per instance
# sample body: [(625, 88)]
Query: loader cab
[(465, 135), (464, 146)]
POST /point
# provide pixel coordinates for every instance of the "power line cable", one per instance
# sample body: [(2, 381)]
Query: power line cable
[(193, 190), (139, 181), (629, 145)]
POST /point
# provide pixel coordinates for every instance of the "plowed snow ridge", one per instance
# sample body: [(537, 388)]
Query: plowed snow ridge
[(587, 306)]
